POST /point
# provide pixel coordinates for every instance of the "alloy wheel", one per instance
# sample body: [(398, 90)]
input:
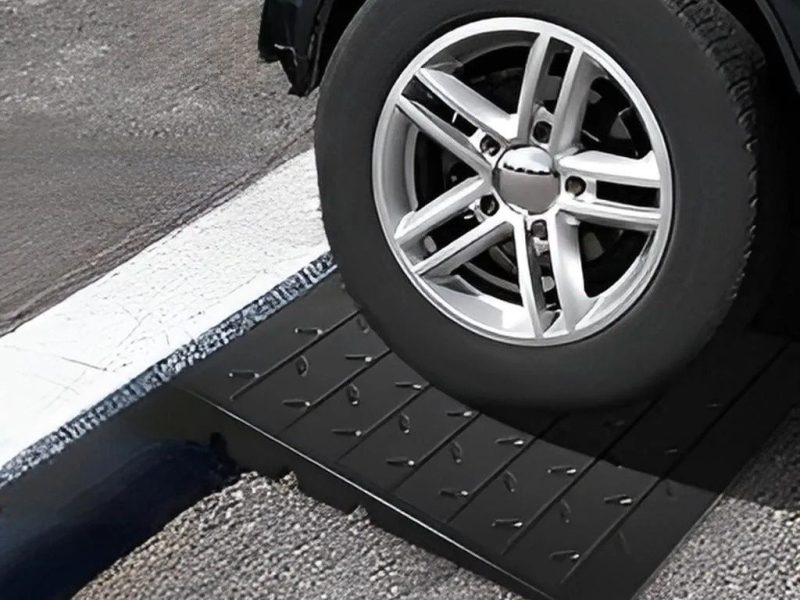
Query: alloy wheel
[(523, 182)]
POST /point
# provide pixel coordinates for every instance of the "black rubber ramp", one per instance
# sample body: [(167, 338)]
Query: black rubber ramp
[(575, 507)]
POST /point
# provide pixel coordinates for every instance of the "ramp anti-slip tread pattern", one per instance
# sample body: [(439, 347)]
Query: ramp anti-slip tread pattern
[(566, 507)]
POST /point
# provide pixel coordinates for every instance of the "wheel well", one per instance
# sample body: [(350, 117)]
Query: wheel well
[(752, 18), (341, 12)]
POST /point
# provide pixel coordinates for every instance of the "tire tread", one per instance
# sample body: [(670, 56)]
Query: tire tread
[(741, 63)]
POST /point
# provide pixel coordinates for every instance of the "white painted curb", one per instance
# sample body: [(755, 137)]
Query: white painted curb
[(71, 357)]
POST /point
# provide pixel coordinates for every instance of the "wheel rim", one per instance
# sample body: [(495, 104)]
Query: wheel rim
[(501, 240)]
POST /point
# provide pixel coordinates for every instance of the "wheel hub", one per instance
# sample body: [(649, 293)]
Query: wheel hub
[(525, 178)]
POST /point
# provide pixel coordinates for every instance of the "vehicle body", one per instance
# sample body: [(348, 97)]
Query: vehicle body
[(564, 203), (303, 33)]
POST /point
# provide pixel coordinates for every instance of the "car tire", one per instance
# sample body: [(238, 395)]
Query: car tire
[(703, 76)]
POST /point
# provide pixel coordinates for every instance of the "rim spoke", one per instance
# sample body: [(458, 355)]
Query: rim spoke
[(565, 259), (610, 168), (468, 103), (611, 214), (418, 223), (463, 249), (444, 134), (530, 278), (531, 84), (572, 101)]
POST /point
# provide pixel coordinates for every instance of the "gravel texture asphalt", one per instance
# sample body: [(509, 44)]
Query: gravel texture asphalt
[(748, 548), (259, 539), (119, 121)]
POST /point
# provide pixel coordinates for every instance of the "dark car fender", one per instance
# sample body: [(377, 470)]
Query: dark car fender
[(302, 34), (291, 32), (783, 19)]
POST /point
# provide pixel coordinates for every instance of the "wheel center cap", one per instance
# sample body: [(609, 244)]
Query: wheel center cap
[(525, 178)]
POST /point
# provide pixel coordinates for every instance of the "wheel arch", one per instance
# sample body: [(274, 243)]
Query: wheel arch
[(302, 35), (775, 25), (338, 15)]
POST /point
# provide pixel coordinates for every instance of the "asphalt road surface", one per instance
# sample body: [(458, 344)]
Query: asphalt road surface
[(259, 539), (119, 121)]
